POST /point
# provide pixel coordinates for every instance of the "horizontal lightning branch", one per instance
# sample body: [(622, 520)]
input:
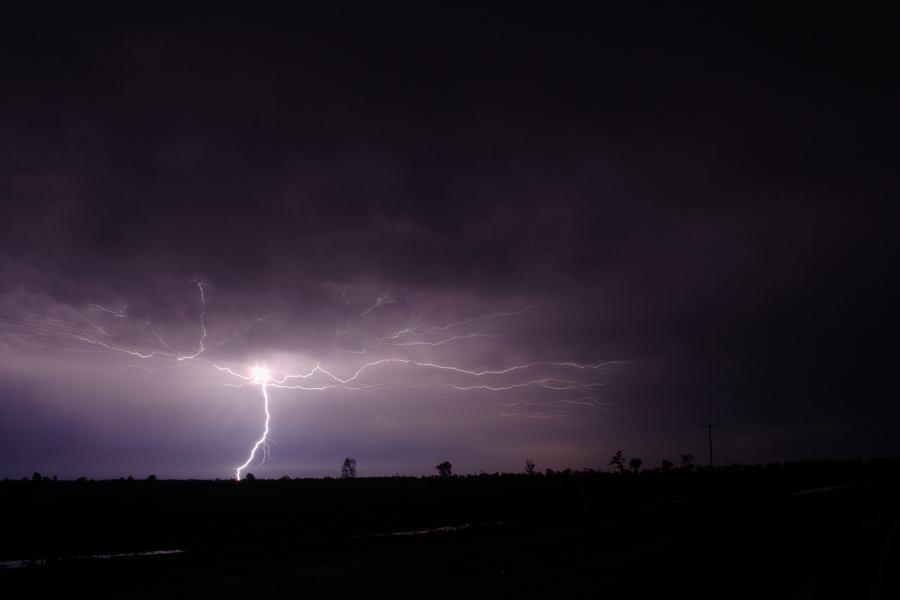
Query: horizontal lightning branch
[(580, 378)]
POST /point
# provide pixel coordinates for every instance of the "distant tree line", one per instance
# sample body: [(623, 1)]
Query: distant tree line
[(620, 463)]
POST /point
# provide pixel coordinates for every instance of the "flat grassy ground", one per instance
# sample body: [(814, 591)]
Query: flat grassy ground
[(803, 530)]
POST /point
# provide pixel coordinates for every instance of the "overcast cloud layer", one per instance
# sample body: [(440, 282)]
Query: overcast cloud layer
[(706, 199)]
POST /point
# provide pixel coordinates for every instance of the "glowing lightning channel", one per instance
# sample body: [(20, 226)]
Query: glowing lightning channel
[(258, 375), (200, 347)]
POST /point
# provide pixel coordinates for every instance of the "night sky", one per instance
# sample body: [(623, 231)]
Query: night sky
[(696, 208)]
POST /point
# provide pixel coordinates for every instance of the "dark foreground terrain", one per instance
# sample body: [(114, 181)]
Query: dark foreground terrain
[(803, 530)]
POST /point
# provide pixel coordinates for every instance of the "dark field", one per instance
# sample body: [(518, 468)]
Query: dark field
[(801, 530)]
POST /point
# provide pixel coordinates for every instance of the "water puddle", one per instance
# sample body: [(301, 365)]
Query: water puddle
[(821, 490), (431, 530), (427, 531), (36, 562)]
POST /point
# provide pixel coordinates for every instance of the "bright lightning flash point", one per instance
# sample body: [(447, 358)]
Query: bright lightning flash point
[(260, 374)]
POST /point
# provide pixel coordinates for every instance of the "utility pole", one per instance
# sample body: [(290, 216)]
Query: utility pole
[(709, 428)]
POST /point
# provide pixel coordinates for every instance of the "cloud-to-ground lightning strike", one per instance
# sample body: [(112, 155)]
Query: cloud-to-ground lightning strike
[(260, 376), (542, 376)]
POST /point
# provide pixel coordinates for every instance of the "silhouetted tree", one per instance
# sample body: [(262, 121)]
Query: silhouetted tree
[(529, 466), (667, 465), (249, 477), (635, 464), (151, 477), (687, 460), (348, 469), (36, 476), (618, 461), (445, 469)]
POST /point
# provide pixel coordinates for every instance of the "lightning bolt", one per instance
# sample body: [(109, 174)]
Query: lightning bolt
[(203, 332), (262, 440), (546, 377)]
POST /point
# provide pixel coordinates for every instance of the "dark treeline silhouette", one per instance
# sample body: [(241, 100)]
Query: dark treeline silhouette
[(620, 464)]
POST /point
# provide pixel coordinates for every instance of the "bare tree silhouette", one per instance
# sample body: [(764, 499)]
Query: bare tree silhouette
[(529, 466), (348, 469), (618, 460)]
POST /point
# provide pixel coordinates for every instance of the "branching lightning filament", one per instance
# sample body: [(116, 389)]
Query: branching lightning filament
[(570, 385)]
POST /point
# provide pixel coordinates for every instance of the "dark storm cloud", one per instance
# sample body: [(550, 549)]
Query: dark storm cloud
[(708, 194)]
